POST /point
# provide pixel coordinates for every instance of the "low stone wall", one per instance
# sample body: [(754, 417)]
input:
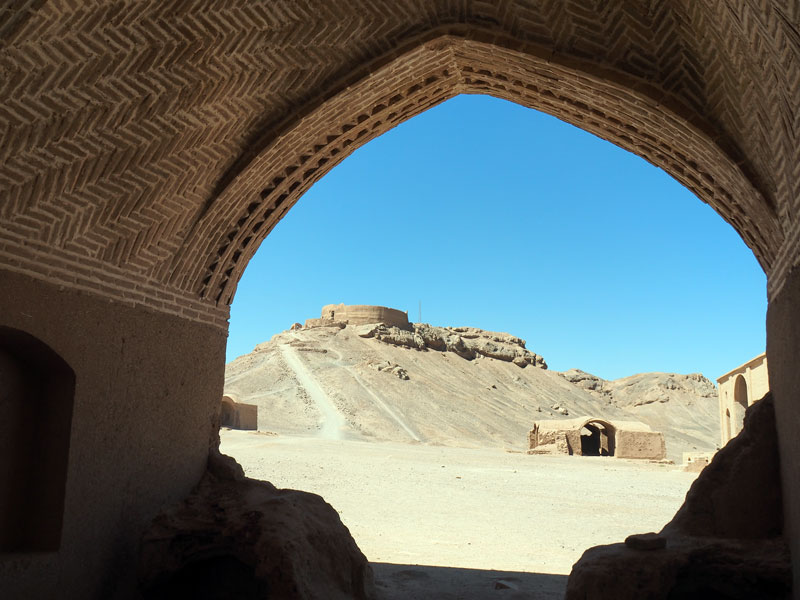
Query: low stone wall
[(640, 444), (696, 461), (324, 323)]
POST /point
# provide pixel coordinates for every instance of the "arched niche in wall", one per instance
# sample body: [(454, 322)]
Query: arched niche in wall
[(228, 412), (739, 402), (598, 439), (727, 425), (37, 389)]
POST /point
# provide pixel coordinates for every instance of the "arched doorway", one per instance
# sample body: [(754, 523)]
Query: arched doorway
[(278, 171), (740, 392), (740, 403), (37, 390), (597, 439), (228, 413), (727, 425), (130, 186)]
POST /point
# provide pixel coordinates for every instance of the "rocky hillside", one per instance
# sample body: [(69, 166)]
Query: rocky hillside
[(449, 386)]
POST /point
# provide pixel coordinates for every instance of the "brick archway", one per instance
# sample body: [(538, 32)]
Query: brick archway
[(278, 168), (149, 146)]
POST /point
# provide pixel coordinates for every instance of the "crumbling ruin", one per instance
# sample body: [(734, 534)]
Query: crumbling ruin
[(592, 436), (238, 415), (241, 538), (358, 314)]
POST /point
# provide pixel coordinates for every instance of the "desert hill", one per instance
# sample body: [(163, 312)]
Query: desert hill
[(449, 386)]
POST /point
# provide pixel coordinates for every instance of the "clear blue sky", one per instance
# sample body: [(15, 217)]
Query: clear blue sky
[(500, 217)]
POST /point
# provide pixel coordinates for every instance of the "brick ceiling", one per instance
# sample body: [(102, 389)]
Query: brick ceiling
[(155, 143)]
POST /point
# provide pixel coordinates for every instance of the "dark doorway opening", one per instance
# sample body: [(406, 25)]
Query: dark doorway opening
[(37, 390), (597, 440), (228, 414)]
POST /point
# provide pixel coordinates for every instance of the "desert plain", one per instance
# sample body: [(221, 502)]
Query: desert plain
[(467, 523), (422, 453)]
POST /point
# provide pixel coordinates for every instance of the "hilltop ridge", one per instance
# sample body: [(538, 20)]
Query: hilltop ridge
[(453, 386)]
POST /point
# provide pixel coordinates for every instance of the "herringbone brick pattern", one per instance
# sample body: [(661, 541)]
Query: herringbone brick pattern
[(157, 143)]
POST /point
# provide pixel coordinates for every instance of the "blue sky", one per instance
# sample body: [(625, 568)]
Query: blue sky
[(496, 216)]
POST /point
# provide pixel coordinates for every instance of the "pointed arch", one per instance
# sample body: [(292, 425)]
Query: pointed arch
[(277, 169)]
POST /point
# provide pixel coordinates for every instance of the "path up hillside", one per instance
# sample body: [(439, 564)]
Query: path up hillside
[(449, 386)]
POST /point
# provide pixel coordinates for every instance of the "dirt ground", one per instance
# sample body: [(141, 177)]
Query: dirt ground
[(463, 523)]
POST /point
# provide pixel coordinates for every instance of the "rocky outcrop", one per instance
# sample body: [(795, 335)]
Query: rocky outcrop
[(466, 342), (241, 538), (644, 388), (686, 568), (390, 367), (586, 381), (725, 541), (738, 495)]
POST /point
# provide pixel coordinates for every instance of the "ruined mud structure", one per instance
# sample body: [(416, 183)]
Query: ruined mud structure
[(238, 415), (149, 148), (591, 436), (738, 389), (359, 314)]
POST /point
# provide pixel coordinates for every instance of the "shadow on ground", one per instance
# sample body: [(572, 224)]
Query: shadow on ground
[(425, 582)]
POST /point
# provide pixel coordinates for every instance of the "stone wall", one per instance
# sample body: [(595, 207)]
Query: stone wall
[(364, 314), (640, 444), (738, 389), (146, 387), (783, 350), (325, 323), (238, 415), (623, 439)]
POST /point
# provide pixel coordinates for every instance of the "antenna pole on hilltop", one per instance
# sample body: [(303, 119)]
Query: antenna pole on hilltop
[(419, 314)]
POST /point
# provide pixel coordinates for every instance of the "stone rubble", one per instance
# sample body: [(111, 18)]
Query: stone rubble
[(235, 537)]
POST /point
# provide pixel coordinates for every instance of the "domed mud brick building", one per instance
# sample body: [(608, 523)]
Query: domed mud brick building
[(148, 149)]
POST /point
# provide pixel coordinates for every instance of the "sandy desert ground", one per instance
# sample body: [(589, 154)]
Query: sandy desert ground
[(467, 523)]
